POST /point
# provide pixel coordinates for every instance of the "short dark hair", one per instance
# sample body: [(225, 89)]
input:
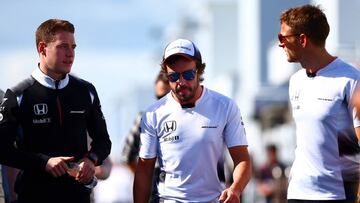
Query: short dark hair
[(309, 20), (271, 147), (47, 30), (172, 59)]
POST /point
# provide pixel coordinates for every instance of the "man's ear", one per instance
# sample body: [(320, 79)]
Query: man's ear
[(41, 48), (304, 40)]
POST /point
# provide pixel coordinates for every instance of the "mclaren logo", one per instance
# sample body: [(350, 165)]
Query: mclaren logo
[(40, 109), (170, 126)]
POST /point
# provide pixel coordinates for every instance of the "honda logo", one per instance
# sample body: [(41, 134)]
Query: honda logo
[(40, 109), (170, 126)]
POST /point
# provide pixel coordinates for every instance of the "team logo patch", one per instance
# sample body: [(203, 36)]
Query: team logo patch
[(171, 138), (42, 120), (296, 96), (209, 126), (3, 101), (169, 126), (77, 112), (40, 109), (325, 99)]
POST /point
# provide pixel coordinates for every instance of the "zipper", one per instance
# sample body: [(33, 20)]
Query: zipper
[(58, 103)]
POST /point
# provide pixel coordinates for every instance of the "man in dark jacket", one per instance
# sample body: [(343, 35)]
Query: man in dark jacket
[(45, 120)]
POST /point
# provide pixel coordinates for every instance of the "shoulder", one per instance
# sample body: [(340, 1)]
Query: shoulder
[(297, 78), (80, 81), (219, 98), (297, 74), (1, 95), (345, 70), (158, 109), (22, 86), (83, 83), (13, 95), (158, 105)]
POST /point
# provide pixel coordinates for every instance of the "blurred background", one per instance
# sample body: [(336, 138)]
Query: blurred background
[(119, 49)]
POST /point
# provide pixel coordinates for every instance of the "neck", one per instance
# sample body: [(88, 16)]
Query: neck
[(316, 60), (197, 94), (50, 73), (192, 101)]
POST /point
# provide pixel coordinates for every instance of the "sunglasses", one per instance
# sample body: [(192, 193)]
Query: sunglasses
[(187, 75), (282, 38)]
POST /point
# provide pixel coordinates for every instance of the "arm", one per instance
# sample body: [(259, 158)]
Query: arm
[(132, 166), (143, 180), (355, 103), (241, 174), (357, 131), (100, 144), (10, 131)]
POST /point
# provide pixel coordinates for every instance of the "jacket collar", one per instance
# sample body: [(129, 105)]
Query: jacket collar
[(47, 81)]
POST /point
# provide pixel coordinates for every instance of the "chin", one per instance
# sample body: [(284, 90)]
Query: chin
[(67, 70), (182, 99), (291, 60)]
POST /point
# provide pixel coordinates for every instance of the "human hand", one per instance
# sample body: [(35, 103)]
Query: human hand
[(86, 171), (57, 166), (265, 188), (229, 196)]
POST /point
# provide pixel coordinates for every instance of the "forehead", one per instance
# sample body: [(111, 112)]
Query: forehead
[(285, 28), (64, 37), (181, 64)]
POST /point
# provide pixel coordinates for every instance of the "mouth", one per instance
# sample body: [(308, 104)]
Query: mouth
[(182, 90), (68, 62)]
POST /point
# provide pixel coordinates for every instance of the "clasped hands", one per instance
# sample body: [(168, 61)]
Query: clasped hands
[(83, 173)]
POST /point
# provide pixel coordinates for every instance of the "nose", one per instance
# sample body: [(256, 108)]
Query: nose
[(181, 80), (70, 52), (281, 45)]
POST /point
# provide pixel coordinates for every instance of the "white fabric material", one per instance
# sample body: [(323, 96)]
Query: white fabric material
[(47, 81), (180, 46), (323, 117), (189, 143)]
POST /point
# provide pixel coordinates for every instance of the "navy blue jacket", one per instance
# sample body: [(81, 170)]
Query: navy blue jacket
[(41, 118)]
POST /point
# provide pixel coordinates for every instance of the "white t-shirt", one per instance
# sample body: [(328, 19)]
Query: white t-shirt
[(325, 124), (189, 143)]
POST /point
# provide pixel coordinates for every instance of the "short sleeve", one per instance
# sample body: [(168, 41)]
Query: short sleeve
[(148, 137), (234, 132)]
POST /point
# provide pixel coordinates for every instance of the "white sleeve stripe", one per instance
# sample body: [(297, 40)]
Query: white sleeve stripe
[(19, 99), (92, 97)]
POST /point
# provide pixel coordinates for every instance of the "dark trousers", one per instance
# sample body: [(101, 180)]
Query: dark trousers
[(36, 187)]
